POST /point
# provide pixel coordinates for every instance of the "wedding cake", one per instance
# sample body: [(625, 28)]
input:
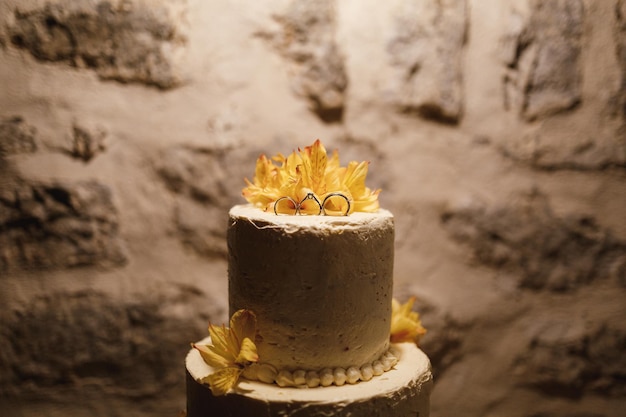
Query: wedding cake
[(314, 330)]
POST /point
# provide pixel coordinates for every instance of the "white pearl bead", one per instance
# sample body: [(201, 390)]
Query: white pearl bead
[(299, 377), (366, 372), (377, 368), (326, 377), (386, 363), (251, 372), (312, 379), (353, 375), (340, 376), (284, 379), (267, 373)]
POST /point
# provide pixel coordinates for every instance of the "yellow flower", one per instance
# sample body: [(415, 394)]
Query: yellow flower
[(405, 323), (231, 351), (310, 172)]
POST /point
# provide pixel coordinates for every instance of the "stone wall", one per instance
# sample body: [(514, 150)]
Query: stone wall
[(496, 129)]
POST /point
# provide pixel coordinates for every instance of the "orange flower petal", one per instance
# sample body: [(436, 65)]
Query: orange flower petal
[(405, 323), (309, 170)]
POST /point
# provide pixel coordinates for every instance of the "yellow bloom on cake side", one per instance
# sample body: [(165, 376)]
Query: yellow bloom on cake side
[(308, 177), (232, 349), (406, 325)]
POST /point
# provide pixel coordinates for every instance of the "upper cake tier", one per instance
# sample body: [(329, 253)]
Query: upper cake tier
[(320, 286)]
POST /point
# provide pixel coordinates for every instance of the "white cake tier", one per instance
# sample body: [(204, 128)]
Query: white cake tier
[(320, 286), (403, 391)]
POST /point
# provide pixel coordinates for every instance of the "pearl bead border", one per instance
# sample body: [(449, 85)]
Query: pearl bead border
[(326, 377)]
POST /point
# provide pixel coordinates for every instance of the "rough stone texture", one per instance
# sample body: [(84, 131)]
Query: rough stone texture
[(126, 41), (307, 41), (87, 141), (196, 173), (580, 151), (16, 136), (522, 294), (568, 359), (545, 251), (620, 41), (58, 225), (445, 347), (426, 52), (62, 343), (574, 414), (543, 57), (544, 76), (198, 176)]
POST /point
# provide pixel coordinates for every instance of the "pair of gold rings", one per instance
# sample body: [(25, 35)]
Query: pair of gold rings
[(311, 196)]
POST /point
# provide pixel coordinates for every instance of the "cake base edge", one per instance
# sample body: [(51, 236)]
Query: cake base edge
[(401, 392)]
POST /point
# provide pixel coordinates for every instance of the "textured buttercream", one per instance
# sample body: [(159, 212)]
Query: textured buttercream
[(320, 286)]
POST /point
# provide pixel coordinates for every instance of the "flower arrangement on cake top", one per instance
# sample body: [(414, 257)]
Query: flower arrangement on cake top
[(308, 182)]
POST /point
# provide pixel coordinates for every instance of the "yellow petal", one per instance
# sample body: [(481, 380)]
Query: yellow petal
[(395, 306), (405, 323), (264, 186), (223, 380), (222, 344), (336, 205), (368, 202), (407, 308), (311, 169), (309, 205), (333, 162), (279, 157), (218, 336), (292, 163), (248, 352), (406, 330), (354, 177), (314, 167), (210, 357), (243, 325), (231, 345)]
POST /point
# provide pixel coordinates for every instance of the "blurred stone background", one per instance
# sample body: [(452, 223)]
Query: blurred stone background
[(496, 129)]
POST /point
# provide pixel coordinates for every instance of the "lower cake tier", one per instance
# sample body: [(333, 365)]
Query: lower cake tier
[(403, 391)]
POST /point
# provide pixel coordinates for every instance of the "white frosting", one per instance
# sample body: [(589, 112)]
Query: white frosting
[(326, 377), (404, 391), (320, 286)]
